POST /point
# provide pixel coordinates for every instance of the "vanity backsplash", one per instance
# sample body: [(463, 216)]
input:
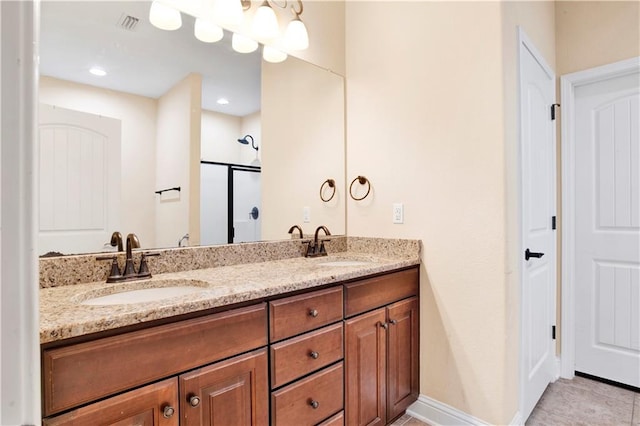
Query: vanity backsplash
[(79, 269)]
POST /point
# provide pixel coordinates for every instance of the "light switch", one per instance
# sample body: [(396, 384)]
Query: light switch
[(306, 214)]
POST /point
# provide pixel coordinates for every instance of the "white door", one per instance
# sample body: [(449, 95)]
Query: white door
[(607, 229), (79, 167), (537, 94)]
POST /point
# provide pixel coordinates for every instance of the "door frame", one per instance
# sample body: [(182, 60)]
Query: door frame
[(568, 85), (525, 43)]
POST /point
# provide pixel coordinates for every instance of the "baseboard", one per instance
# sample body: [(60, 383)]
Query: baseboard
[(438, 414), (517, 420)]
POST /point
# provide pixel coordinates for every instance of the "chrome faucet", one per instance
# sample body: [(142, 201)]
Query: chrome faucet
[(316, 247), (293, 228)]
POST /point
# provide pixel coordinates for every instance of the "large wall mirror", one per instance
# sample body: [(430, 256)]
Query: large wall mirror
[(130, 113)]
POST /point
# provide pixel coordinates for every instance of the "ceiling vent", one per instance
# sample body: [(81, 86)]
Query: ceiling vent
[(128, 22)]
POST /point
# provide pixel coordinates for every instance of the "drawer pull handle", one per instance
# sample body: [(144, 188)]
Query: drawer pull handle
[(314, 404), (168, 411), (194, 401), (393, 322), (314, 354), (384, 325), (313, 312)]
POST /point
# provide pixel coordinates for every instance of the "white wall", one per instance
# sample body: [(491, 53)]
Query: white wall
[(219, 137), (138, 145), (251, 125), (177, 164)]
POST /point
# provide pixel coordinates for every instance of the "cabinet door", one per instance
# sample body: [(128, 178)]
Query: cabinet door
[(231, 392), (365, 365), (403, 353), (152, 405)]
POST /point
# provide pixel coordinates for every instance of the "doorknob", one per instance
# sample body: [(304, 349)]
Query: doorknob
[(529, 254)]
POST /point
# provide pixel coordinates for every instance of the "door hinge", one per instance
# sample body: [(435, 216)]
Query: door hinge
[(553, 332), (553, 222), (553, 111)]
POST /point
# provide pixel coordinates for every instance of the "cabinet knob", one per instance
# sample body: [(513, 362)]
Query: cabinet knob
[(384, 325), (313, 312), (393, 322), (313, 403), (314, 354), (194, 401), (168, 411)]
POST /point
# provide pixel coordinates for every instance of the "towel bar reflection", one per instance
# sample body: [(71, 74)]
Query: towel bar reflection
[(175, 188)]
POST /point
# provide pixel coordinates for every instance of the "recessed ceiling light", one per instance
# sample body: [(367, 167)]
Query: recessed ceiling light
[(223, 101), (97, 71)]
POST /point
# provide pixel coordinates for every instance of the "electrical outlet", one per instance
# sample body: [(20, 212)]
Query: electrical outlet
[(398, 213), (306, 214)]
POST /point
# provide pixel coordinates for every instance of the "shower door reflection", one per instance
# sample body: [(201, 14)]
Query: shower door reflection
[(230, 203)]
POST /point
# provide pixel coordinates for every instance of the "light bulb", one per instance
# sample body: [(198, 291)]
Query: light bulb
[(273, 55), (207, 31), (228, 12), (296, 36), (243, 44), (164, 17), (265, 22)]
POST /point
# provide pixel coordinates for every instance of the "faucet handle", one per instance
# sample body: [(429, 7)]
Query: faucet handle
[(114, 275), (143, 271)]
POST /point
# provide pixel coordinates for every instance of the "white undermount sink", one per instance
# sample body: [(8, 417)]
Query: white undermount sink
[(158, 291), (345, 263)]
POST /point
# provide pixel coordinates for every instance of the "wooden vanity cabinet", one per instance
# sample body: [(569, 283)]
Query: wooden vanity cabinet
[(232, 392), (345, 354), (381, 347)]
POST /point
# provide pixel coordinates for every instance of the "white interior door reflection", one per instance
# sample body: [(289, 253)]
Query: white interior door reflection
[(247, 206)]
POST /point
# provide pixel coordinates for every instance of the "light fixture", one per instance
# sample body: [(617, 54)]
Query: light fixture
[(223, 101), (97, 71), (228, 13), (273, 55), (164, 17), (206, 31), (243, 44), (265, 22), (215, 14), (296, 36)]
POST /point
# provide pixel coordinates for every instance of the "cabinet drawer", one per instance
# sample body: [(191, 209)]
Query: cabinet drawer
[(81, 373), (311, 400), (371, 293), (297, 314), (144, 406), (337, 420), (301, 355)]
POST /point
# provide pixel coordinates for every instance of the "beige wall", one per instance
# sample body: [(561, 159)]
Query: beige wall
[(138, 149), (431, 97), (302, 146), (593, 33), (178, 146)]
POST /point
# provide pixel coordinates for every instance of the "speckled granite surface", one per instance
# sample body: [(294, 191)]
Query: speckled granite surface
[(62, 314), (78, 269)]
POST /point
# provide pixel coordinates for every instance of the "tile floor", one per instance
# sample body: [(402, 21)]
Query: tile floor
[(582, 401), (577, 402), (407, 420)]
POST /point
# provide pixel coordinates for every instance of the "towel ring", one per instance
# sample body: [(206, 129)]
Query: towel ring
[(331, 184), (361, 180)]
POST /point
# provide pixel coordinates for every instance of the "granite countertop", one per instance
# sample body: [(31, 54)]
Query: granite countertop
[(62, 314)]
